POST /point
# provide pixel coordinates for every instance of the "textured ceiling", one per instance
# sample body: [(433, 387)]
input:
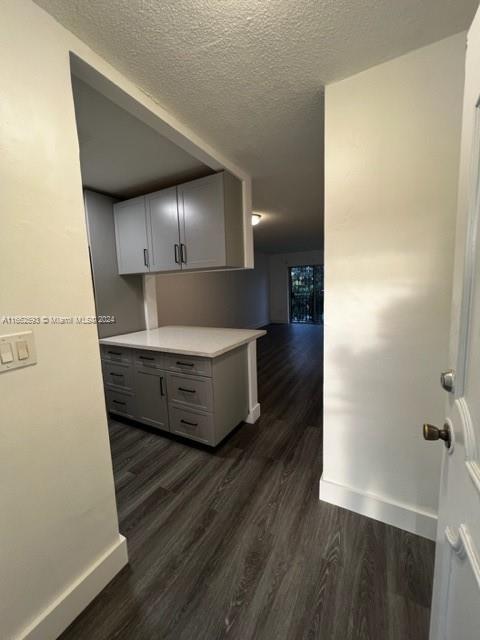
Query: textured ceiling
[(247, 76), (122, 156)]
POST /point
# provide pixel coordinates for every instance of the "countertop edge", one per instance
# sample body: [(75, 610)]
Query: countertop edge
[(185, 352)]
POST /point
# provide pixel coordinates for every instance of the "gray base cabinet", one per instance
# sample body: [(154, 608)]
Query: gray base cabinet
[(120, 402), (151, 398), (202, 399)]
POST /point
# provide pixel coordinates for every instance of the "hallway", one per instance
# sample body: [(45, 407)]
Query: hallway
[(234, 543)]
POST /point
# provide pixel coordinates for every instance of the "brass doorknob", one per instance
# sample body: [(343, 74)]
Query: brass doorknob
[(430, 432)]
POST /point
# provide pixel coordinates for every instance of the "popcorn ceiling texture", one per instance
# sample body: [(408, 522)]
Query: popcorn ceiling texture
[(247, 76)]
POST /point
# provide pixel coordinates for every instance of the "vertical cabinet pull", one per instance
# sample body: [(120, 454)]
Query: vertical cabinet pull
[(145, 257), (162, 392), (183, 253), (177, 259)]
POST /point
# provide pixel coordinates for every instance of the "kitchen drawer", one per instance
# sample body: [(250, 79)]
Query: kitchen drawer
[(188, 364), (192, 424), (115, 354), (120, 403), (149, 359), (118, 375), (190, 391)]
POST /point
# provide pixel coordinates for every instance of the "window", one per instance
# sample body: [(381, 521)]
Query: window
[(306, 294)]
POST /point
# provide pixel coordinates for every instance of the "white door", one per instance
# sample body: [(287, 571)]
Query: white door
[(456, 591)]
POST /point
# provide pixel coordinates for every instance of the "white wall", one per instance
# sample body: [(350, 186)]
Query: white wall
[(215, 299), (59, 539), (56, 490), (278, 270), (392, 152)]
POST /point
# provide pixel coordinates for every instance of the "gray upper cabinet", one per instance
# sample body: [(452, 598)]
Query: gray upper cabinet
[(211, 222), (202, 223), (162, 218), (197, 225), (131, 236)]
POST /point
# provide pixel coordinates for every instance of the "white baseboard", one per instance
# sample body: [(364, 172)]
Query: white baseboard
[(401, 515), (254, 414), (64, 609)]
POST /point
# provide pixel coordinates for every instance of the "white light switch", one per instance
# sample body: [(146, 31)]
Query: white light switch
[(6, 354), (17, 350), (22, 350)]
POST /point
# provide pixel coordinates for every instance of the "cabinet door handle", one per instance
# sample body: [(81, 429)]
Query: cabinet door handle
[(190, 424), (183, 253), (186, 390), (162, 392), (145, 257), (177, 259)]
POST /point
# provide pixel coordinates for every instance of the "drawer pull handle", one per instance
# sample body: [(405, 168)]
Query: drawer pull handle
[(115, 353), (146, 358), (190, 424), (186, 390), (185, 364), (116, 375), (119, 402)]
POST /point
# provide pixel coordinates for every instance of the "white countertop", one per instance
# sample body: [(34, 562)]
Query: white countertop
[(207, 342)]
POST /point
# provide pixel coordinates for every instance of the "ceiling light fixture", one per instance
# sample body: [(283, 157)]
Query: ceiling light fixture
[(256, 217)]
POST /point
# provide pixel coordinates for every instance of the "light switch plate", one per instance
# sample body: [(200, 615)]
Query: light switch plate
[(21, 344)]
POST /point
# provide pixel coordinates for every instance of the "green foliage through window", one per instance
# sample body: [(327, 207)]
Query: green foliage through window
[(306, 294)]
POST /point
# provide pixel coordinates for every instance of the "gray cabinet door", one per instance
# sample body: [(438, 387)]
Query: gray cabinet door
[(162, 216), (131, 236), (202, 222), (151, 398)]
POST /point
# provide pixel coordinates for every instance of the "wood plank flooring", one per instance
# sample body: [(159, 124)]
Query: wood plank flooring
[(234, 543)]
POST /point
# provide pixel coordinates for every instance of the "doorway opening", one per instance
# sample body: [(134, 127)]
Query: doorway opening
[(306, 294)]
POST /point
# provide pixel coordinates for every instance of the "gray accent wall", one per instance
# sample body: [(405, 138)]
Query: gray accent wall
[(217, 298), (121, 296)]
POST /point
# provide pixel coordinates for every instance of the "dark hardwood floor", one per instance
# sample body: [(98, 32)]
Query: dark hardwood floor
[(234, 543)]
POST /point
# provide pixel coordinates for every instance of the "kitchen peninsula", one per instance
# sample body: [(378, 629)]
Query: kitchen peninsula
[(197, 382)]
